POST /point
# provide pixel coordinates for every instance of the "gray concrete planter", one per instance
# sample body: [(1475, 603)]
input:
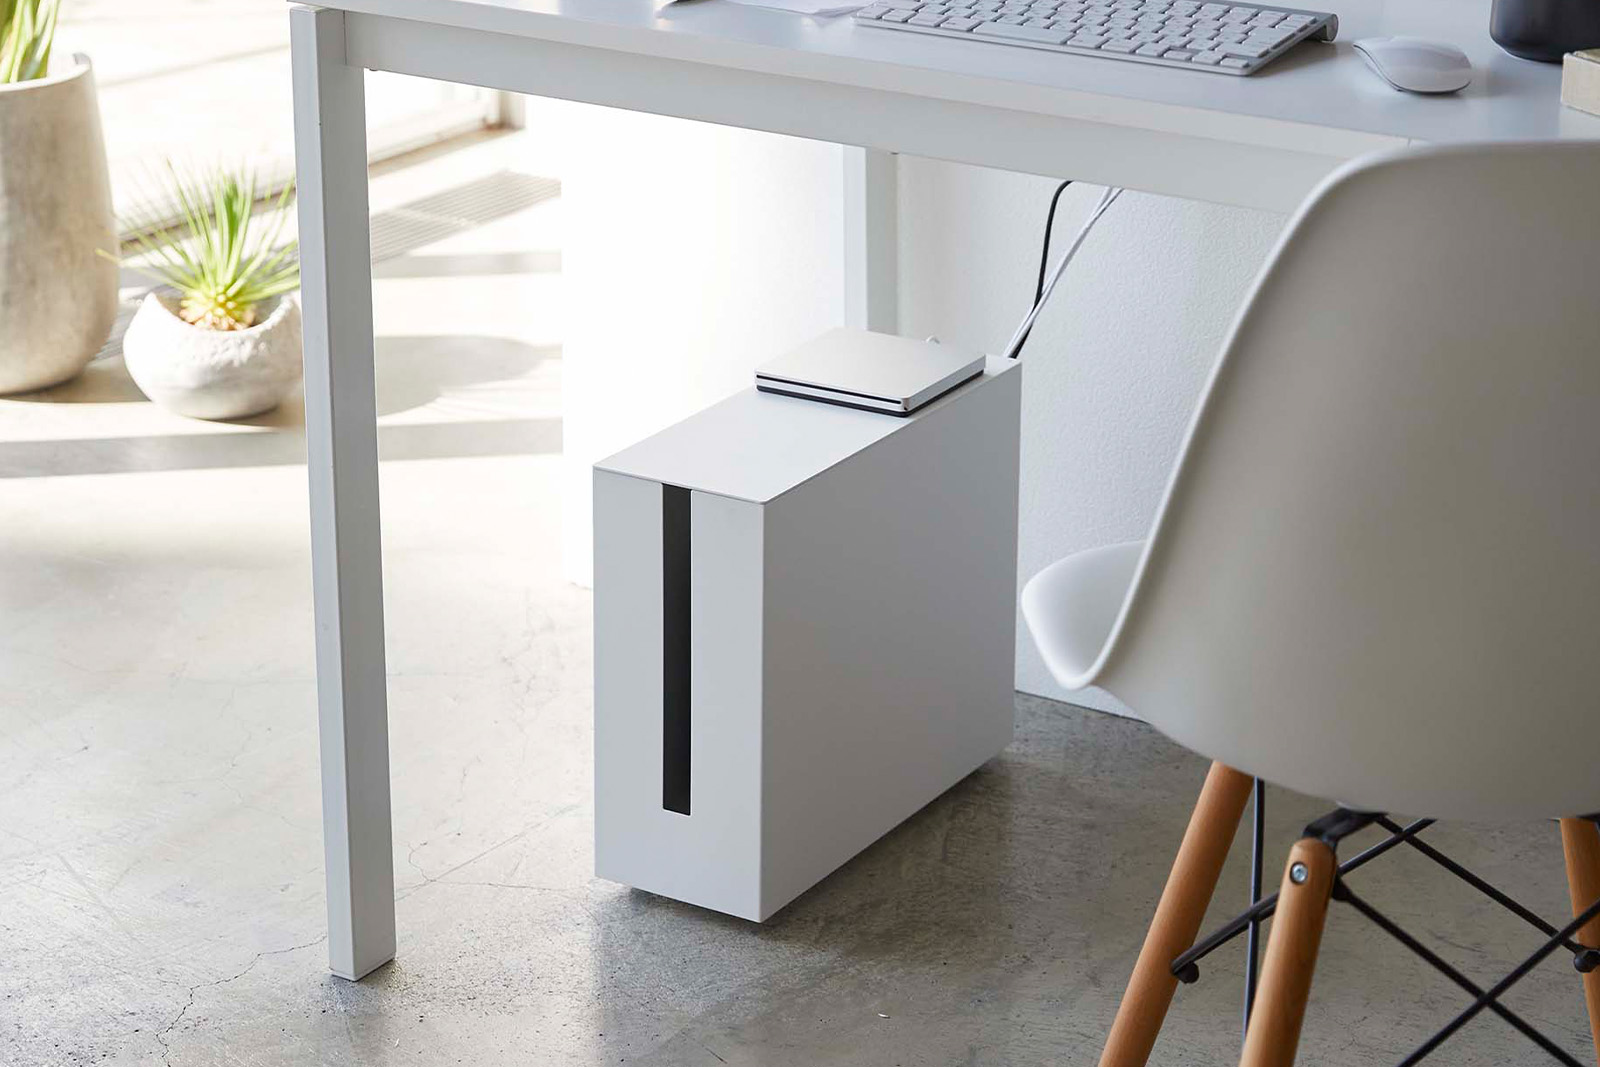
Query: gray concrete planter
[(58, 296), (213, 374)]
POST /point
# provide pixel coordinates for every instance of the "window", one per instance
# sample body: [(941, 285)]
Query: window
[(202, 82)]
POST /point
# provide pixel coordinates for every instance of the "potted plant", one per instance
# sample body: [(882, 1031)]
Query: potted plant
[(58, 296), (222, 339)]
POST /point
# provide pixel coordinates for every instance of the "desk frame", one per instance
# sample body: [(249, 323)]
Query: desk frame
[(329, 61)]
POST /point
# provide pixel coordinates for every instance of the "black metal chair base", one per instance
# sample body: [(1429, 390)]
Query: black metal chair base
[(1332, 829)]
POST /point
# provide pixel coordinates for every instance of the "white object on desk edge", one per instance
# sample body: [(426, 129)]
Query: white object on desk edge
[(802, 7)]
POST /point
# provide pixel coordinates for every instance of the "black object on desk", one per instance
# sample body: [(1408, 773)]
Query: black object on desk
[(1545, 30)]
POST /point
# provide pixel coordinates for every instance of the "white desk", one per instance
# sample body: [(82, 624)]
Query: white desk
[(1263, 141)]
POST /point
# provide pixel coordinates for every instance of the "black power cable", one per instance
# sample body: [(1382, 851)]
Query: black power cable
[(1044, 258)]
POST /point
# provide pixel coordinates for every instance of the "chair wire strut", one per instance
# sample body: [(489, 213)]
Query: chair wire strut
[(1332, 829), (1252, 959)]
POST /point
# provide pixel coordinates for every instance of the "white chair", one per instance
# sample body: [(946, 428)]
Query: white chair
[(1375, 576)]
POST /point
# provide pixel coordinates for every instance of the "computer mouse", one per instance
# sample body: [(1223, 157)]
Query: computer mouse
[(1415, 64)]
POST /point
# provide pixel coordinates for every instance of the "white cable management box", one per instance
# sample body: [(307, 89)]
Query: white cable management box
[(804, 632)]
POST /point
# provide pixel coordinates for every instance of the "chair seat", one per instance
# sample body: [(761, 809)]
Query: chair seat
[(1071, 606)]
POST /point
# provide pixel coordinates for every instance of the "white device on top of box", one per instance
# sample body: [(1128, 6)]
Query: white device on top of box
[(873, 371), (805, 621)]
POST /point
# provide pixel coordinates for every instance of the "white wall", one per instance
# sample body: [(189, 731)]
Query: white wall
[(692, 254), (696, 252), (1116, 362)]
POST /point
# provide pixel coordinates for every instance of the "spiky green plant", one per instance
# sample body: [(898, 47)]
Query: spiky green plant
[(222, 265), (27, 29)]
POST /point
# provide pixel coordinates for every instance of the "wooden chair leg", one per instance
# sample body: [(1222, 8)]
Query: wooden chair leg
[(1178, 916), (1580, 839), (1291, 956)]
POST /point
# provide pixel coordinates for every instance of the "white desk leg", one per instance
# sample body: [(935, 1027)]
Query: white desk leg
[(342, 452), (871, 240)]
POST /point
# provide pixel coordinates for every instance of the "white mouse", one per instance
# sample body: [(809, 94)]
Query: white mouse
[(1416, 65)]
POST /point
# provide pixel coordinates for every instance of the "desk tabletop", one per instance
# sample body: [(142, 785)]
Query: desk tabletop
[(1324, 91)]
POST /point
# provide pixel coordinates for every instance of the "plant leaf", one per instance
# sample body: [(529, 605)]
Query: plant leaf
[(221, 260)]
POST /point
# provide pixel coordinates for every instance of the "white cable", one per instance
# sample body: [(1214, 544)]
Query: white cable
[(1107, 198)]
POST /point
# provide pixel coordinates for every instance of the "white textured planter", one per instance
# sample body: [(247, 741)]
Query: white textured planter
[(58, 295), (213, 374)]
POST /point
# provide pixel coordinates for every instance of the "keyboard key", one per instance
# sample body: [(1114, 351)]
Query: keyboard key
[(872, 11), (926, 19), (1020, 33), (1088, 40), (1234, 63), (1177, 53), (1151, 49), (1206, 59), (900, 14)]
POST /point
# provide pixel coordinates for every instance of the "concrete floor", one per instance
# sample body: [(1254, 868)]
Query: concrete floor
[(160, 850)]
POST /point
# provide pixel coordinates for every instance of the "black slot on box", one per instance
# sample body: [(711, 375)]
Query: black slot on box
[(675, 680)]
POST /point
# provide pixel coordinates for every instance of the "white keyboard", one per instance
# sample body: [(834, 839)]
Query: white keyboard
[(1221, 37)]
